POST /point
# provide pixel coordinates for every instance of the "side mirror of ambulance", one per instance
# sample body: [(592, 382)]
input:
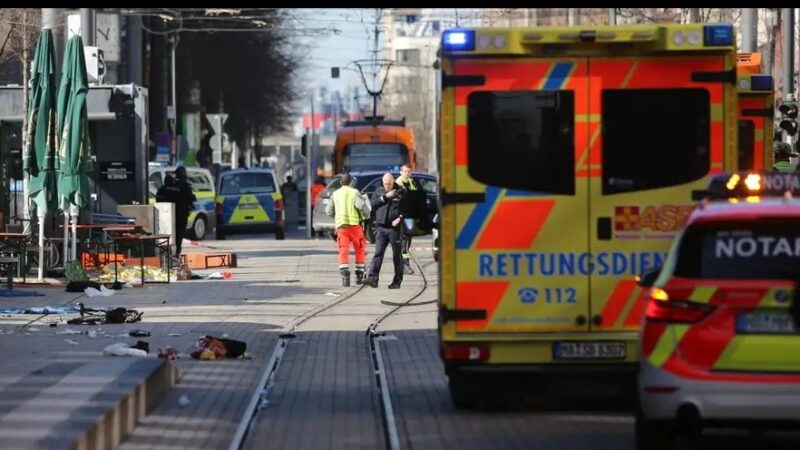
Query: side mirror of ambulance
[(648, 278)]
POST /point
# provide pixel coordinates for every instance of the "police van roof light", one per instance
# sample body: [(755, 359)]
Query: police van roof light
[(717, 35), (761, 82), (458, 40)]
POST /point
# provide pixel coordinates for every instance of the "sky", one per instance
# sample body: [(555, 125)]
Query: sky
[(353, 41)]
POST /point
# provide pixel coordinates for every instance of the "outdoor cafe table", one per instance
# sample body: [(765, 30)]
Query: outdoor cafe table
[(159, 241)]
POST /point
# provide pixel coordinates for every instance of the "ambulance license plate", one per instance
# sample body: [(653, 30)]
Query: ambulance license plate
[(248, 206), (589, 350), (763, 322)]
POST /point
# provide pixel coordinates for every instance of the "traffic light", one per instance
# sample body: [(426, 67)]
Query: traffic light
[(789, 121), (304, 145)]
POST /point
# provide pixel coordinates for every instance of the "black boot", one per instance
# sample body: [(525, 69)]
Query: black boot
[(345, 277), (359, 276)]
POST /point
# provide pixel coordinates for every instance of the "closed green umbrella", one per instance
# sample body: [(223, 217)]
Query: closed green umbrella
[(73, 125), (40, 134)]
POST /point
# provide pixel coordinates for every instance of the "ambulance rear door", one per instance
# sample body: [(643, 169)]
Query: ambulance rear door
[(521, 227), (656, 135)]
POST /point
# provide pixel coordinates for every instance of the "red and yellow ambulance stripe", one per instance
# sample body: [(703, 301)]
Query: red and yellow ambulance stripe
[(712, 350)]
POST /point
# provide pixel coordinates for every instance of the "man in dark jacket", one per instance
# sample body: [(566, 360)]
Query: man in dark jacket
[(387, 203), (177, 190)]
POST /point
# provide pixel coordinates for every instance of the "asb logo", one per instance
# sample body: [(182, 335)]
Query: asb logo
[(662, 218)]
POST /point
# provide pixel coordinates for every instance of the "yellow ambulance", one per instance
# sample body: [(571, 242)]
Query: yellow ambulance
[(569, 156), (756, 113)]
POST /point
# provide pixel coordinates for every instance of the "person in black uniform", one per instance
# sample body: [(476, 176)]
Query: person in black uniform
[(387, 203), (178, 190)]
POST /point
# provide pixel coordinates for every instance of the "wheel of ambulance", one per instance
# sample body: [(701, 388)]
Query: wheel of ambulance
[(460, 391), (369, 232), (651, 434), (279, 234), (198, 230)]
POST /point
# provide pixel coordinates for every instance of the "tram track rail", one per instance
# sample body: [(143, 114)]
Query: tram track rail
[(265, 383)]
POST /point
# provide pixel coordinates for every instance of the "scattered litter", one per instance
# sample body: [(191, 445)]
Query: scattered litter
[(19, 293), (184, 401), (81, 285), (68, 331), (92, 316), (71, 342), (41, 310), (220, 276), (122, 349), (211, 348), (168, 353), (174, 334), (33, 329), (142, 345), (102, 292), (128, 285), (139, 333), (331, 294), (92, 334)]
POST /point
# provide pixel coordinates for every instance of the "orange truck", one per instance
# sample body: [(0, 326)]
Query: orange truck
[(374, 144)]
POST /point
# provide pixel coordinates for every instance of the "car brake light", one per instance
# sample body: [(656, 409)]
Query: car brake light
[(465, 352), (661, 308)]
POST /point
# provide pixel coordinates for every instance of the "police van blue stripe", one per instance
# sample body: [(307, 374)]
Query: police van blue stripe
[(477, 218), (558, 75)]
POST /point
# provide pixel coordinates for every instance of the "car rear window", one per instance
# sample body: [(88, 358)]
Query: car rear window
[(764, 250), (200, 182), (247, 183)]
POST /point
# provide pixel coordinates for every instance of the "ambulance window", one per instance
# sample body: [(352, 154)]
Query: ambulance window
[(753, 250), (654, 138), (747, 142), (522, 140)]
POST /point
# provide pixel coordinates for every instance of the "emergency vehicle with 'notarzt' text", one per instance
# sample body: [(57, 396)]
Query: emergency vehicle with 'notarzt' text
[(721, 335), (568, 160)]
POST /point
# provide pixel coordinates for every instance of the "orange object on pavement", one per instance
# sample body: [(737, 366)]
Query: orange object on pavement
[(351, 234)]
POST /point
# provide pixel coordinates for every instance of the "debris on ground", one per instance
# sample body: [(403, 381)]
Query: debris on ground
[(71, 342), (219, 276), (212, 348), (102, 292), (138, 333), (123, 349), (19, 293), (41, 310), (168, 353), (184, 401), (96, 316)]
